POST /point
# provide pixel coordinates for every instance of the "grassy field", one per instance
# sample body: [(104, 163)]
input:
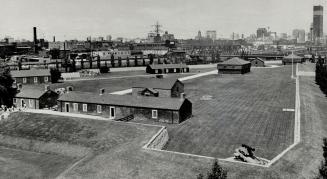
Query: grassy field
[(116, 84), (244, 109), (23, 164)]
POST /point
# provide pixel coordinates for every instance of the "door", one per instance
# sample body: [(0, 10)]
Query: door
[(67, 107), (112, 114)]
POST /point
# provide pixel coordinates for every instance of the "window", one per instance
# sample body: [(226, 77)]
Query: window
[(24, 80), (30, 102), (35, 79), (14, 100), (174, 70), (99, 109), (154, 114), (46, 79), (112, 112), (67, 107), (75, 106), (85, 107)]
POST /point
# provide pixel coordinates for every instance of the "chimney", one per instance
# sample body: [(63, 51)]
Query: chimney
[(69, 88), (35, 39), (54, 38), (46, 87), (102, 90), (19, 86), (182, 96)]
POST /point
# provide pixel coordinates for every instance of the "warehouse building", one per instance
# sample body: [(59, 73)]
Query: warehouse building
[(33, 76), (292, 59), (167, 68), (159, 87), (234, 66), (119, 107)]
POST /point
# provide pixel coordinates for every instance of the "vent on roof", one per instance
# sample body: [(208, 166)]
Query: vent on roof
[(69, 88), (46, 87)]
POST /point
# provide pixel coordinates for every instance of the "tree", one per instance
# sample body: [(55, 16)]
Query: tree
[(112, 60), (7, 92), (55, 75), (217, 172), (98, 61)]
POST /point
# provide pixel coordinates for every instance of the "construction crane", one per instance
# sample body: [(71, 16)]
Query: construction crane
[(157, 28)]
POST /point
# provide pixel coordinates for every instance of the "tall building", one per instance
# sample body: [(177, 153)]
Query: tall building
[(167, 36), (299, 35), (199, 36), (262, 32), (211, 34), (108, 38), (317, 22)]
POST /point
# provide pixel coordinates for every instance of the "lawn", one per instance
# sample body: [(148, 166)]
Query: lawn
[(116, 84), (23, 164), (241, 109)]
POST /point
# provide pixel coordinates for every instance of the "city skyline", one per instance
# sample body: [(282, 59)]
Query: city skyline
[(130, 19)]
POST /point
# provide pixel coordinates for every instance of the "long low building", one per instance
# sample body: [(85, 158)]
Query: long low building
[(117, 107), (33, 76), (167, 68), (292, 58)]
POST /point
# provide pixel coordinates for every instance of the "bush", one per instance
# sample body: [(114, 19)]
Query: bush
[(104, 69), (217, 172)]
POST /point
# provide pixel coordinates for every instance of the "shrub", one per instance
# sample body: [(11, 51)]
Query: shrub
[(104, 69)]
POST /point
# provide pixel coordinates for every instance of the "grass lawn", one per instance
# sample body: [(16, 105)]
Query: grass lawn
[(115, 84), (23, 164), (244, 109)]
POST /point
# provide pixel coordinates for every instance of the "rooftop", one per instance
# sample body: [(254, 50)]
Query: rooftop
[(123, 100), (292, 56), (163, 66), (156, 83), (33, 93), (234, 61), (29, 73)]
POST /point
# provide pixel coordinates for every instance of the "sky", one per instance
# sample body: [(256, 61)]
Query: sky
[(77, 19)]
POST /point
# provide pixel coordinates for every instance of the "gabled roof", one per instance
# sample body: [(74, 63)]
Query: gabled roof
[(29, 73), (234, 61), (260, 59), (123, 100), (167, 66), (156, 83), (33, 93), (292, 56)]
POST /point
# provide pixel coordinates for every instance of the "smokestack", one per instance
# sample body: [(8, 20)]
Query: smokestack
[(54, 38), (35, 39)]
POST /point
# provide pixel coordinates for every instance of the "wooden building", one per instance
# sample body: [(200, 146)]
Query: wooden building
[(159, 87), (296, 59), (34, 76), (234, 66), (167, 68), (257, 62), (35, 97), (120, 107)]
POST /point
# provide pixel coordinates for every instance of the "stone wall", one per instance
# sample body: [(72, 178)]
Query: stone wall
[(159, 141)]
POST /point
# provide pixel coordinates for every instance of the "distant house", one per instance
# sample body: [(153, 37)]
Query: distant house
[(34, 76), (234, 66), (157, 87), (36, 98), (292, 58), (120, 107), (167, 68), (257, 62)]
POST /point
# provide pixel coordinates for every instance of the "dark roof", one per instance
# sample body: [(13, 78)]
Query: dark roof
[(156, 83), (234, 61), (28, 73), (123, 100), (34, 93), (167, 66), (292, 56), (260, 59)]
